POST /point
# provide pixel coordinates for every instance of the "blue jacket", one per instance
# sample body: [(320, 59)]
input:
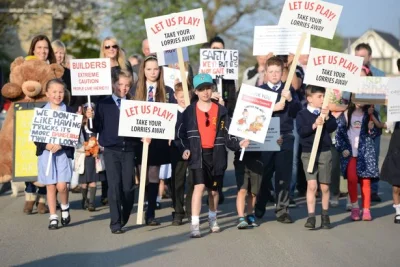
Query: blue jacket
[(367, 165), (189, 138)]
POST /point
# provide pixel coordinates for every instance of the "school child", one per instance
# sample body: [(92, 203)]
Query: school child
[(61, 166), (278, 161), (355, 142), (203, 136), (89, 177), (119, 152), (307, 122), (151, 88)]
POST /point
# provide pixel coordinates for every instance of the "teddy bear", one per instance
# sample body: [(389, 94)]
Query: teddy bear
[(28, 79), (91, 147)]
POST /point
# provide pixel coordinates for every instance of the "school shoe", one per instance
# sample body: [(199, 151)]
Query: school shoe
[(242, 224), (104, 201), (28, 207), (366, 215), (355, 214), (325, 222), (292, 203), (375, 197), (195, 231), (213, 224), (65, 221), (152, 222), (284, 218), (397, 219), (310, 223), (158, 205), (251, 220), (177, 219), (118, 231), (53, 224)]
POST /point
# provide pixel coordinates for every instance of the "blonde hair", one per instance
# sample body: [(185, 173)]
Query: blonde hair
[(121, 59), (56, 44)]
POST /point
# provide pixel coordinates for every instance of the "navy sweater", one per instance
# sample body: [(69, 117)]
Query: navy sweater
[(289, 112), (304, 121), (106, 123)]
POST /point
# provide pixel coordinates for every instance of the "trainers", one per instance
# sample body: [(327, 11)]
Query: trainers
[(366, 215), (195, 231), (310, 223), (251, 220), (214, 227), (292, 203), (375, 197), (355, 214), (284, 218), (242, 224), (325, 222)]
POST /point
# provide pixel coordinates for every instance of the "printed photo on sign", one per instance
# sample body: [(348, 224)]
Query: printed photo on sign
[(270, 142), (55, 127), (91, 76), (170, 57), (222, 63), (176, 30), (277, 40), (393, 108), (147, 119), (333, 70), (315, 17), (171, 76), (252, 113)]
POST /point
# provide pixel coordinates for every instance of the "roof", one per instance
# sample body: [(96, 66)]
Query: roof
[(389, 38)]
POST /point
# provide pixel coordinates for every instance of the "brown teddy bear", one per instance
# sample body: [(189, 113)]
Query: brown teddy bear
[(91, 147), (28, 79)]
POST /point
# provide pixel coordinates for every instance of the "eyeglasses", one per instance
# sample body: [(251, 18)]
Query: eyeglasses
[(207, 119), (109, 46)]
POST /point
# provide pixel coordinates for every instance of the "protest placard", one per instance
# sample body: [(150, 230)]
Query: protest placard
[(278, 40), (315, 17), (171, 75), (333, 70), (220, 63), (372, 90), (171, 56), (393, 108), (176, 30), (252, 113), (147, 119), (270, 143)]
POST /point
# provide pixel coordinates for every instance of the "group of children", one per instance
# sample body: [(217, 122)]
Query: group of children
[(200, 146)]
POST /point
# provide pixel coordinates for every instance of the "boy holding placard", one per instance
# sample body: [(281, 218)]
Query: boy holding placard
[(203, 135), (279, 162), (307, 122)]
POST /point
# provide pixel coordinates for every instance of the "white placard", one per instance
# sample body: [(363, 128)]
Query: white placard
[(252, 113), (170, 57), (393, 107), (277, 40), (222, 63), (170, 75), (333, 70), (91, 76), (372, 88), (147, 119), (176, 30), (273, 134), (55, 127), (315, 17)]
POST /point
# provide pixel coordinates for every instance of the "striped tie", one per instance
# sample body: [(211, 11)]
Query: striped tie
[(316, 112), (275, 87), (150, 94), (119, 102)]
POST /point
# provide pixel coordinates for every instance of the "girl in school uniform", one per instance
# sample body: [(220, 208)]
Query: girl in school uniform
[(61, 167), (151, 88)]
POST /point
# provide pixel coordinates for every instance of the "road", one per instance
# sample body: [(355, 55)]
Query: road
[(25, 240)]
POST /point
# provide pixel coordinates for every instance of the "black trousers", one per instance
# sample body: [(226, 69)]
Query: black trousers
[(280, 163), (120, 177), (301, 184), (178, 181)]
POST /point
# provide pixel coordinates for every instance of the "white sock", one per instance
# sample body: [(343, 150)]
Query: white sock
[(53, 217), (355, 205), (64, 206), (195, 220), (212, 214), (159, 198), (64, 214), (397, 207)]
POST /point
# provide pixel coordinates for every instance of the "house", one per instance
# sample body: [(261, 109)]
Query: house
[(385, 49)]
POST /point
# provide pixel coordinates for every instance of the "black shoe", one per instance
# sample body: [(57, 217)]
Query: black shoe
[(104, 201), (53, 226), (85, 204), (397, 219), (91, 207), (152, 222), (177, 222), (67, 220), (375, 198), (158, 205), (310, 223), (284, 218), (325, 222), (292, 203), (259, 213), (118, 231)]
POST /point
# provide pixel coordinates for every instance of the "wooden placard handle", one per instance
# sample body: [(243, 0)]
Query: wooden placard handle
[(183, 76), (142, 185)]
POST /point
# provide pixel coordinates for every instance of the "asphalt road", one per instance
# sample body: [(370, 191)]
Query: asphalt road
[(26, 241)]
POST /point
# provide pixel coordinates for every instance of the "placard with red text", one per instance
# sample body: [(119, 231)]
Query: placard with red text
[(91, 76), (222, 63), (252, 113), (333, 70), (176, 30), (147, 119), (315, 17)]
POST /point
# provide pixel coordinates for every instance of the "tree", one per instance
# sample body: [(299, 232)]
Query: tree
[(336, 44)]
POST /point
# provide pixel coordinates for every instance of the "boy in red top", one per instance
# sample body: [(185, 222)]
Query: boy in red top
[(203, 135)]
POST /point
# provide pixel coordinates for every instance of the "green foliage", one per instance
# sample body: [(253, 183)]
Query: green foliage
[(335, 44)]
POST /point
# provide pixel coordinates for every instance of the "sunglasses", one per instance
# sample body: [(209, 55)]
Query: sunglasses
[(207, 119), (109, 46)]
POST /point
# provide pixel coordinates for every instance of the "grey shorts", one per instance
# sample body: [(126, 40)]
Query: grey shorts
[(322, 167), (248, 175)]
